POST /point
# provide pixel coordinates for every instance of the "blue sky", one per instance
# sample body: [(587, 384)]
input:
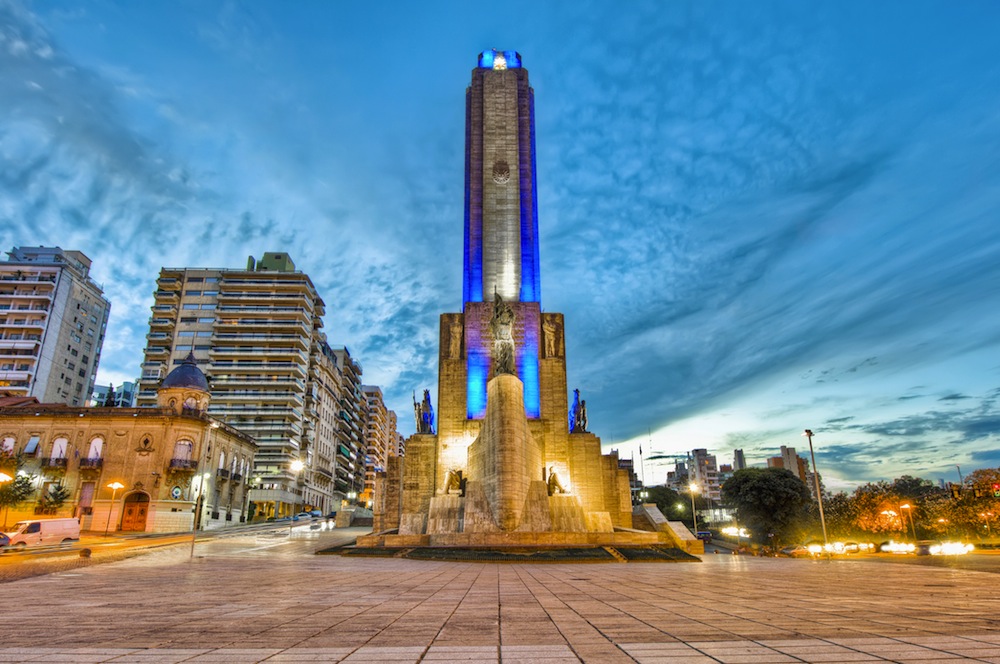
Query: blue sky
[(757, 217)]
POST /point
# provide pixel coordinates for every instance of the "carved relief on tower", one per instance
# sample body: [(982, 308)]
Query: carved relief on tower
[(451, 336), (501, 172), (552, 336)]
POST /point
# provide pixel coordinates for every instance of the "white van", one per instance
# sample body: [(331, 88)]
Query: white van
[(44, 531)]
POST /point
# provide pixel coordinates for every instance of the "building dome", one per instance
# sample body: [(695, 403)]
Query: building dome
[(187, 375)]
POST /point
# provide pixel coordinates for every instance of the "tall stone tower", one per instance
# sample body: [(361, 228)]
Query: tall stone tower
[(502, 465)]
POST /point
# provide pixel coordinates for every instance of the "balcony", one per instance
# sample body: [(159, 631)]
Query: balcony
[(55, 462), (91, 463), (161, 322), (237, 477), (222, 474), (183, 464)]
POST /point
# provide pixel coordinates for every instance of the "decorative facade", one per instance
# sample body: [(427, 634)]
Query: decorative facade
[(176, 465)]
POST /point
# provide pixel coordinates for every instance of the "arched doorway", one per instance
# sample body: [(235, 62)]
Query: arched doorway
[(136, 508)]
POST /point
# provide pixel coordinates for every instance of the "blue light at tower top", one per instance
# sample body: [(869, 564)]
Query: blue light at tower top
[(506, 60)]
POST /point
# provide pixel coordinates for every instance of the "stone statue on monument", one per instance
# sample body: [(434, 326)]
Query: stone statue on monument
[(452, 482), (423, 413), (501, 329), (578, 414), (554, 485)]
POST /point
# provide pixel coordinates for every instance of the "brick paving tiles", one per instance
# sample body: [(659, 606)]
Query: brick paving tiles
[(244, 602)]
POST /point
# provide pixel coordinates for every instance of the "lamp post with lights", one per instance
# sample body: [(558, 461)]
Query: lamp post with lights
[(913, 529), (693, 489), (819, 495), (114, 486), (4, 478)]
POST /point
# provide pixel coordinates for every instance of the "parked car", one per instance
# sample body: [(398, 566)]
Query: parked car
[(800, 551), (704, 535), (4, 540)]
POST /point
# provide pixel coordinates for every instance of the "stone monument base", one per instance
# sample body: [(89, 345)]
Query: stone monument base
[(619, 537)]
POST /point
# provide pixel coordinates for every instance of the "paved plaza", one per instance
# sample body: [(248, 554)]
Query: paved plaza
[(267, 598)]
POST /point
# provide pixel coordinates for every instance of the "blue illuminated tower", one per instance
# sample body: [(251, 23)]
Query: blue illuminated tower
[(501, 214), (501, 205)]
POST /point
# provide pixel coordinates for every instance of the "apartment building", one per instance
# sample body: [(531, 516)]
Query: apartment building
[(257, 334), (52, 322), (350, 432), (381, 438), (704, 471), (124, 395), (789, 460)]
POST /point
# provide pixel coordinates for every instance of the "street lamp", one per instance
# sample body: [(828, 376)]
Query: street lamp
[(4, 478), (906, 506), (196, 521), (819, 496), (987, 515), (693, 488), (114, 486)]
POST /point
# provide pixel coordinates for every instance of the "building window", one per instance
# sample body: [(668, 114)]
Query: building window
[(59, 448), (183, 449), (190, 306), (192, 293), (32, 445), (7, 445), (96, 448)]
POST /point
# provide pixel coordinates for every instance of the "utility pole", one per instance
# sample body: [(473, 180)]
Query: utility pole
[(819, 496)]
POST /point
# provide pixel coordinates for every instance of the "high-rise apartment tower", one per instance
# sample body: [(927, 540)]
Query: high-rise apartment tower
[(257, 334), (52, 322)]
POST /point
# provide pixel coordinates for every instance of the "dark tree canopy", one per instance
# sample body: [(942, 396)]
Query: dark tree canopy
[(768, 501)]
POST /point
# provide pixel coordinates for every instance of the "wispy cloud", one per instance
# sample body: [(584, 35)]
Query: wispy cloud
[(767, 201)]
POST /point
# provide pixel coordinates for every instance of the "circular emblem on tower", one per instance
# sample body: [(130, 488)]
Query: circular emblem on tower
[(501, 172)]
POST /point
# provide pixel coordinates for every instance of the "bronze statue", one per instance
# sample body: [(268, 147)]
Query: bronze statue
[(501, 329), (554, 485), (452, 481), (578, 414)]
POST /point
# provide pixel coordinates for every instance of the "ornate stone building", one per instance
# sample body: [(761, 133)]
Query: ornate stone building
[(167, 459)]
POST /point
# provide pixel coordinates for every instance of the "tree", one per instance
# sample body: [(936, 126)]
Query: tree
[(15, 492), (55, 498), (769, 502), (109, 398)]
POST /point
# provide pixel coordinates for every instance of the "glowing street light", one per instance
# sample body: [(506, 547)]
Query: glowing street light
[(4, 478), (906, 506), (196, 520), (297, 465), (693, 489), (819, 496), (114, 486)]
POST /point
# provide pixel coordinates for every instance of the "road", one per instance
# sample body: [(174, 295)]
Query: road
[(261, 595), (978, 561), (299, 538)]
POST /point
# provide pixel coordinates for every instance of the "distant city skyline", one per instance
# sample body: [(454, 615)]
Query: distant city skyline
[(757, 219)]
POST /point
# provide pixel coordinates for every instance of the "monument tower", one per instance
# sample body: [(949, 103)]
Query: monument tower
[(505, 463)]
